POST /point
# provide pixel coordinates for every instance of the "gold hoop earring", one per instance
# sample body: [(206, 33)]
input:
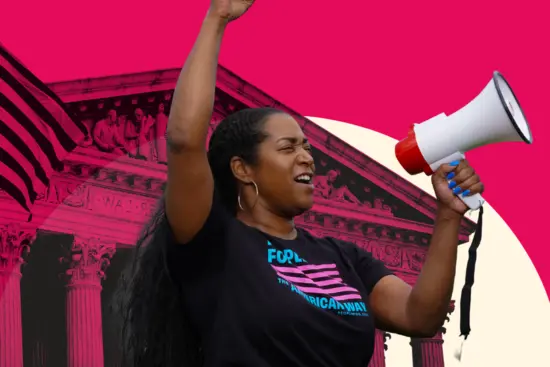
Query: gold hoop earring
[(257, 196)]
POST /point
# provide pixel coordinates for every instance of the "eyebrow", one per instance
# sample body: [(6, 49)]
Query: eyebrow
[(293, 140)]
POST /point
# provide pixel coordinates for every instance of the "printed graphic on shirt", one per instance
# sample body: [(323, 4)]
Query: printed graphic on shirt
[(320, 284)]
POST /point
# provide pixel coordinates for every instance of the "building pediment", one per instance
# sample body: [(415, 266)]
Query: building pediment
[(346, 177)]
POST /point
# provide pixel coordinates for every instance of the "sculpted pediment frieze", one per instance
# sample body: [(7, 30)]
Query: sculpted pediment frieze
[(334, 181), (136, 107)]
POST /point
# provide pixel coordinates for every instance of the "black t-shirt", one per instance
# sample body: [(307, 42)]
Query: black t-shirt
[(260, 301)]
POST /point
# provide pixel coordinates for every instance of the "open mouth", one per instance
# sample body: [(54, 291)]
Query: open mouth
[(305, 178)]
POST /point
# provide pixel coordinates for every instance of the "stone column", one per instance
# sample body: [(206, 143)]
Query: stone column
[(88, 259), (14, 244), (428, 352), (378, 357)]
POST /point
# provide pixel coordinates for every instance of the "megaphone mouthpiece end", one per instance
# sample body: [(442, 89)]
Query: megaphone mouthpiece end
[(409, 155)]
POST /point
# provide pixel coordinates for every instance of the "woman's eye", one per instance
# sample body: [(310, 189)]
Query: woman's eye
[(292, 148)]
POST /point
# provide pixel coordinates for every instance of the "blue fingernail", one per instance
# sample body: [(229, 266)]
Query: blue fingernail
[(454, 163), (452, 184), (450, 175), (457, 190), (465, 192)]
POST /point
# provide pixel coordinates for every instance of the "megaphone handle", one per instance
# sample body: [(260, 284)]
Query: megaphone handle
[(474, 202)]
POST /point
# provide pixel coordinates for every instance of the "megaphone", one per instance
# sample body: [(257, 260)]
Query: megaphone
[(494, 116)]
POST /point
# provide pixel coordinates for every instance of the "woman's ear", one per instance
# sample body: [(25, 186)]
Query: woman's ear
[(241, 170)]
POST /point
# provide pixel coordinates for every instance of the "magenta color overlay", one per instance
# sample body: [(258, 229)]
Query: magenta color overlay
[(357, 200), (382, 65)]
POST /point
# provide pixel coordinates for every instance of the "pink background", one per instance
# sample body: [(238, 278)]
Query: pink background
[(382, 65)]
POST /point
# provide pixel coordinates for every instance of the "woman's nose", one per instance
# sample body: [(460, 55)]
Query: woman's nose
[(305, 158)]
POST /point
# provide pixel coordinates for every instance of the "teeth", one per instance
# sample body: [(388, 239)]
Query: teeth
[(303, 178)]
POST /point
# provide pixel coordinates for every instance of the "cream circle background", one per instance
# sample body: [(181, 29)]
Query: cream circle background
[(510, 312)]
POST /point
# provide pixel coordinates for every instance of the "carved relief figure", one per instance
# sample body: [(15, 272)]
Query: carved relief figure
[(414, 259), (88, 140), (160, 134), (137, 134), (325, 187), (392, 255), (69, 193), (121, 126), (379, 204), (107, 136), (142, 136)]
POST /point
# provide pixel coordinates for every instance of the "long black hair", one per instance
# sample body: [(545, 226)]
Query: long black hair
[(156, 330)]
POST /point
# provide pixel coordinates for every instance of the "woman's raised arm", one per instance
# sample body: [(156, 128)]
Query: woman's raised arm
[(190, 186)]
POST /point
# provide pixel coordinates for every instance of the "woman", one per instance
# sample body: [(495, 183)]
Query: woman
[(226, 279)]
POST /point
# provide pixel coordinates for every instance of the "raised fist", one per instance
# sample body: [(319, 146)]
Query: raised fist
[(230, 9)]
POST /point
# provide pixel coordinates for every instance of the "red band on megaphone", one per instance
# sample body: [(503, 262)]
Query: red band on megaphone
[(409, 156)]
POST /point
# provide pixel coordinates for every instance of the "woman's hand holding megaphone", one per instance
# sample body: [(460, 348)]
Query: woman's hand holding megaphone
[(453, 180)]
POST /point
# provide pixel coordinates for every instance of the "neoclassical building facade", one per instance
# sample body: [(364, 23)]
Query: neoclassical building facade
[(58, 272)]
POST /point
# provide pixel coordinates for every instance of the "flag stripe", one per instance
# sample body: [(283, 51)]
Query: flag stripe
[(323, 274), (23, 106), (20, 72), (19, 145), (36, 132), (347, 297), (26, 139), (310, 274), (13, 191), (316, 267), (300, 280), (327, 292), (14, 186), (307, 279), (19, 91), (10, 162), (21, 119), (13, 158)]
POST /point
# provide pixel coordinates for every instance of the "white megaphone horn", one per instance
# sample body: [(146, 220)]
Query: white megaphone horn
[(493, 116)]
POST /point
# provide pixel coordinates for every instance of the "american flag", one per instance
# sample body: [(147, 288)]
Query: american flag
[(320, 280), (36, 132)]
